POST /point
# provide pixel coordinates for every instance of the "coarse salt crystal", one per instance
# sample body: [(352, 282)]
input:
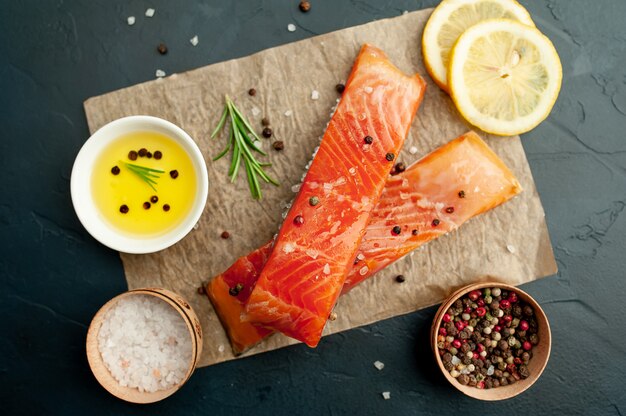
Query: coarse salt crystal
[(363, 270), (352, 171), (296, 188), (256, 111), (220, 348), (360, 256), (405, 12), (194, 41), (130, 20), (510, 248), (289, 248), (196, 226), (312, 253), (386, 395), (368, 89), (412, 150), (404, 195), (315, 95), (160, 73), (291, 27), (379, 365), (326, 269), (149, 12), (288, 113)]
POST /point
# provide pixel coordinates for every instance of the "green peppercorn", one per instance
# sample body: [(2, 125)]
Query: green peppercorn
[(488, 299), (313, 201), (487, 291)]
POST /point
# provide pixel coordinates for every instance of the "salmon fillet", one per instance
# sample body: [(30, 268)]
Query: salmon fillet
[(316, 244), (411, 200)]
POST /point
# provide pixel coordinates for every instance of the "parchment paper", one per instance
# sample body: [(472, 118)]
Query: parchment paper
[(284, 78)]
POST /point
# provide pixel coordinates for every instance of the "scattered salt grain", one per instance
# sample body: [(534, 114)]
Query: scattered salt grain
[(312, 253), (296, 188), (352, 171), (194, 40), (315, 95), (160, 73), (130, 20), (256, 111), (510, 248), (386, 395), (360, 256), (145, 343), (413, 150), (405, 12), (220, 348), (368, 89), (196, 226), (149, 12), (289, 248), (291, 27), (379, 365), (288, 113), (326, 269)]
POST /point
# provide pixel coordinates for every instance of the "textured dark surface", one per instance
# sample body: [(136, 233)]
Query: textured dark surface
[(54, 55)]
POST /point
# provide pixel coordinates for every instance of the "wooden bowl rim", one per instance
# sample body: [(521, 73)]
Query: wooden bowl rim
[(503, 392), (102, 373)]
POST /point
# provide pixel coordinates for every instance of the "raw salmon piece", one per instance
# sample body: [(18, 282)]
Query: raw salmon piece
[(433, 179), (435, 196), (316, 245)]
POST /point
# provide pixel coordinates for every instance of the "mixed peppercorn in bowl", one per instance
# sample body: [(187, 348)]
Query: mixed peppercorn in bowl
[(491, 340)]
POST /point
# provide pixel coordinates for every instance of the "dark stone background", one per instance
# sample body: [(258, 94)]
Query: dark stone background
[(55, 54)]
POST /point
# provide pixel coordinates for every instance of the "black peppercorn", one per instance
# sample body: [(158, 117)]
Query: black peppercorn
[(461, 194), (225, 235), (390, 157), (146, 205), (436, 222), (304, 6), (162, 48), (149, 155), (132, 155), (340, 88), (463, 379), (450, 210), (158, 155), (124, 209), (166, 207), (414, 232), (115, 170), (400, 167), (400, 278), (142, 152), (368, 139), (154, 199), (396, 230), (267, 132), (528, 311), (278, 145), (252, 92), (265, 121), (174, 174)]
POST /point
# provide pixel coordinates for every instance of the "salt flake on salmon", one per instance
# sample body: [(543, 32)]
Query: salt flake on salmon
[(295, 292)]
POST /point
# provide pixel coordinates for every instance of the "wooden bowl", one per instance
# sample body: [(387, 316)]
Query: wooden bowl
[(536, 365), (102, 373)]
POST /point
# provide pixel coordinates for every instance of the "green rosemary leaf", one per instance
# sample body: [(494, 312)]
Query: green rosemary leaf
[(220, 124), (241, 144), (144, 173), (145, 168)]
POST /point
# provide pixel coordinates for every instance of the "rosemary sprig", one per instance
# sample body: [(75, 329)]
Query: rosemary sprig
[(146, 174), (241, 144)]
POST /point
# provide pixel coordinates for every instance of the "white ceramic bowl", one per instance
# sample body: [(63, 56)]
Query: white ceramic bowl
[(89, 214)]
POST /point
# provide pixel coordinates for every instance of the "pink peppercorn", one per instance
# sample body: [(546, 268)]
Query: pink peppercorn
[(480, 311), (480, 384), (456, 343), (474, 295), (527, 345), (476, 356), (507, 318), (480, 348), (505, 304), (517, 361), (298, 220), (442, 331), (497, 328), (467, 310), (480, 302), (513, 297), (446, 317), (523, 325), (459, 325), (463, 341)]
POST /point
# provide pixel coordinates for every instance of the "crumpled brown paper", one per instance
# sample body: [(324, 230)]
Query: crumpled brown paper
[(510, 242)]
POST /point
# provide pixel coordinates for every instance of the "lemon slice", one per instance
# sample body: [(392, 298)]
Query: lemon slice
[(453, 17), (504, 76)]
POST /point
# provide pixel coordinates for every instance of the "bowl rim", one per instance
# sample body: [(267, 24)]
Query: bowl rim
[(504, 392), (81, 193), (102, 373)]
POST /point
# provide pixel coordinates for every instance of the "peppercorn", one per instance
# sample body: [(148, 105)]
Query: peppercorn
[(154, 199), (368, 139), (534, 339), (162, 48), (146, 205), (225, 235), (390, 157), (234, 291), (265, 121), (448, 366), (149, 155), (488, 383), (340, 88), (450, 210), (495, 305), (115, 170), (396, 230), (252, 92), (298, 220), (436, 222), (278, 145), (400, 167), (132, 155), (313, 201), (503, 345), (528, 310), (400, 278), (201, 290), (461, 194), (142, 152), (174, 174), (124, 209), (158, 155), (304, 6), (166, 207)]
